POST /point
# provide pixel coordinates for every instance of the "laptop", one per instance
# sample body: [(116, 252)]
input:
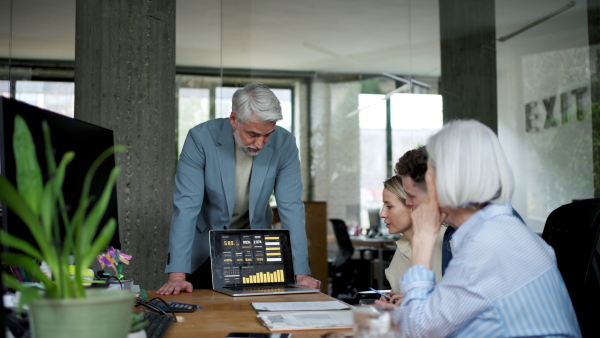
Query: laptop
[(253, 262)]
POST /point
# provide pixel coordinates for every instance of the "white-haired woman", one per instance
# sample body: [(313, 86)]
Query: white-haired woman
[(503, 279)]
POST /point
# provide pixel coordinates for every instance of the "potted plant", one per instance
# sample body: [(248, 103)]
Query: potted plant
[(138, 323), (41, 206)]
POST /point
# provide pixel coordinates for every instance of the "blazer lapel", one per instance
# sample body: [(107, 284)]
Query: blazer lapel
[(226, 159)]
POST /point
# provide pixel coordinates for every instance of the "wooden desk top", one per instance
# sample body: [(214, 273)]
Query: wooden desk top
[(221, 314)]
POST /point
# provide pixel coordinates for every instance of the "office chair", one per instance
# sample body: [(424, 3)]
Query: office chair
[(345, 247), (374, 223), (573, 230), (348, 275)]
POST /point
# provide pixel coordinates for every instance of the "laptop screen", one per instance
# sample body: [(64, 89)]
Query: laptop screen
[(251, 257)]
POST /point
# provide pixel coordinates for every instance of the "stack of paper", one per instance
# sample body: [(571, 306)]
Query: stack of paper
[(285, 316)]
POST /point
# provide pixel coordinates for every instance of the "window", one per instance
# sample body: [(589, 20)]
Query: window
[(194, 106), (196, 100), (58, 97), (414, 117), (5, 88), (373, 162)]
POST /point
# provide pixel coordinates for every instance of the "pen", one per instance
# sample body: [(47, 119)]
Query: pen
[(381, 293), (196, 306)]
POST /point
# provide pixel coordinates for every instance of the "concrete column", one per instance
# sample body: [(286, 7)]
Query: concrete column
[(125, 81), (468, 55), (594, 38)]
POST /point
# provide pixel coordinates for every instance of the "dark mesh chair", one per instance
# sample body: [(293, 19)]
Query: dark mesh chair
[(348, 275), (345, 247), (572, 230)]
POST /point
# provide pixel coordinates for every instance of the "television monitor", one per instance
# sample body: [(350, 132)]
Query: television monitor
[(67, 134)]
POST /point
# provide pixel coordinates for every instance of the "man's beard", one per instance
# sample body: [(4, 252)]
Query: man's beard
[(239, 144)]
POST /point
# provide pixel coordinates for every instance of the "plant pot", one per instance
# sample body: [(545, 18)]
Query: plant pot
[(120, 284), (137, 334), (103, 313)]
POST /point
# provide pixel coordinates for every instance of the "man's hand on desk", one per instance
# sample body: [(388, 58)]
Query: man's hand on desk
[(306, 280), (175, 285)]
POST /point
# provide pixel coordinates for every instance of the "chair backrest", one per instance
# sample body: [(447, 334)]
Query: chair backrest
[(345, 247), (573, 230)]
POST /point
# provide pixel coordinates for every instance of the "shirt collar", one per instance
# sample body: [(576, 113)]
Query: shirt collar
[(404, 246), (472, 226)]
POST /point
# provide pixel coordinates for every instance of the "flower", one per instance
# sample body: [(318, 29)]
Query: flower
[(114, 257)]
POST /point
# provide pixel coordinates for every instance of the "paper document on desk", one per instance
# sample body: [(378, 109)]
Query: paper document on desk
[(300, 306), (306, 320)]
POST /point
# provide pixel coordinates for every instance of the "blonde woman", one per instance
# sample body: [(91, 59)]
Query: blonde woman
[(397, 217)]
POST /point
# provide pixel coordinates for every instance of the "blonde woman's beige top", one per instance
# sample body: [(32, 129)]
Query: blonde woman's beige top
[(402, 261)]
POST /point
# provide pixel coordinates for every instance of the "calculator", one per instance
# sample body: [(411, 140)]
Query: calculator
[(169, 307), (178, 307)]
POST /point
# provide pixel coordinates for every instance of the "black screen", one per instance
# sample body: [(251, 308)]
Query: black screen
[(250, 257), (88, 141)]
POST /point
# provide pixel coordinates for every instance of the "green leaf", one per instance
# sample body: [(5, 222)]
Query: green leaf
[(50, 160), (29, 174), (138, 322), (90, 225), (87, 182), (99, 244), (47, 209), (21, 208), (28, 294), (51, 195), (57, 176), (16, 202), (14, 242), (30, 266)]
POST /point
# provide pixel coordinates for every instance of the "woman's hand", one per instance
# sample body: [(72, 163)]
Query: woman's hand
[(384, 303), (427, 221), (395, 300)]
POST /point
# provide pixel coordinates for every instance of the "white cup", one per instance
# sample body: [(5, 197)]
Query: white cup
[(373, 322)]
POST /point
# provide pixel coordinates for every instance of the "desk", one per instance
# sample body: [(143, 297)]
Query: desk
[(379, 244), (221, 314)]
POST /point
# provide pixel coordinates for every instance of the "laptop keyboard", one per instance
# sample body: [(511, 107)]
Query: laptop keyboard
[(261, 288)]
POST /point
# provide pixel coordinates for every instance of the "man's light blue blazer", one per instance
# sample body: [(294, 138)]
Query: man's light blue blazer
[(204, 191)]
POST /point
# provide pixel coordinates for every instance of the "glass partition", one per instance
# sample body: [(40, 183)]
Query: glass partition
[(544, 105), (325, 59), (320, 57), (357, 55)]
